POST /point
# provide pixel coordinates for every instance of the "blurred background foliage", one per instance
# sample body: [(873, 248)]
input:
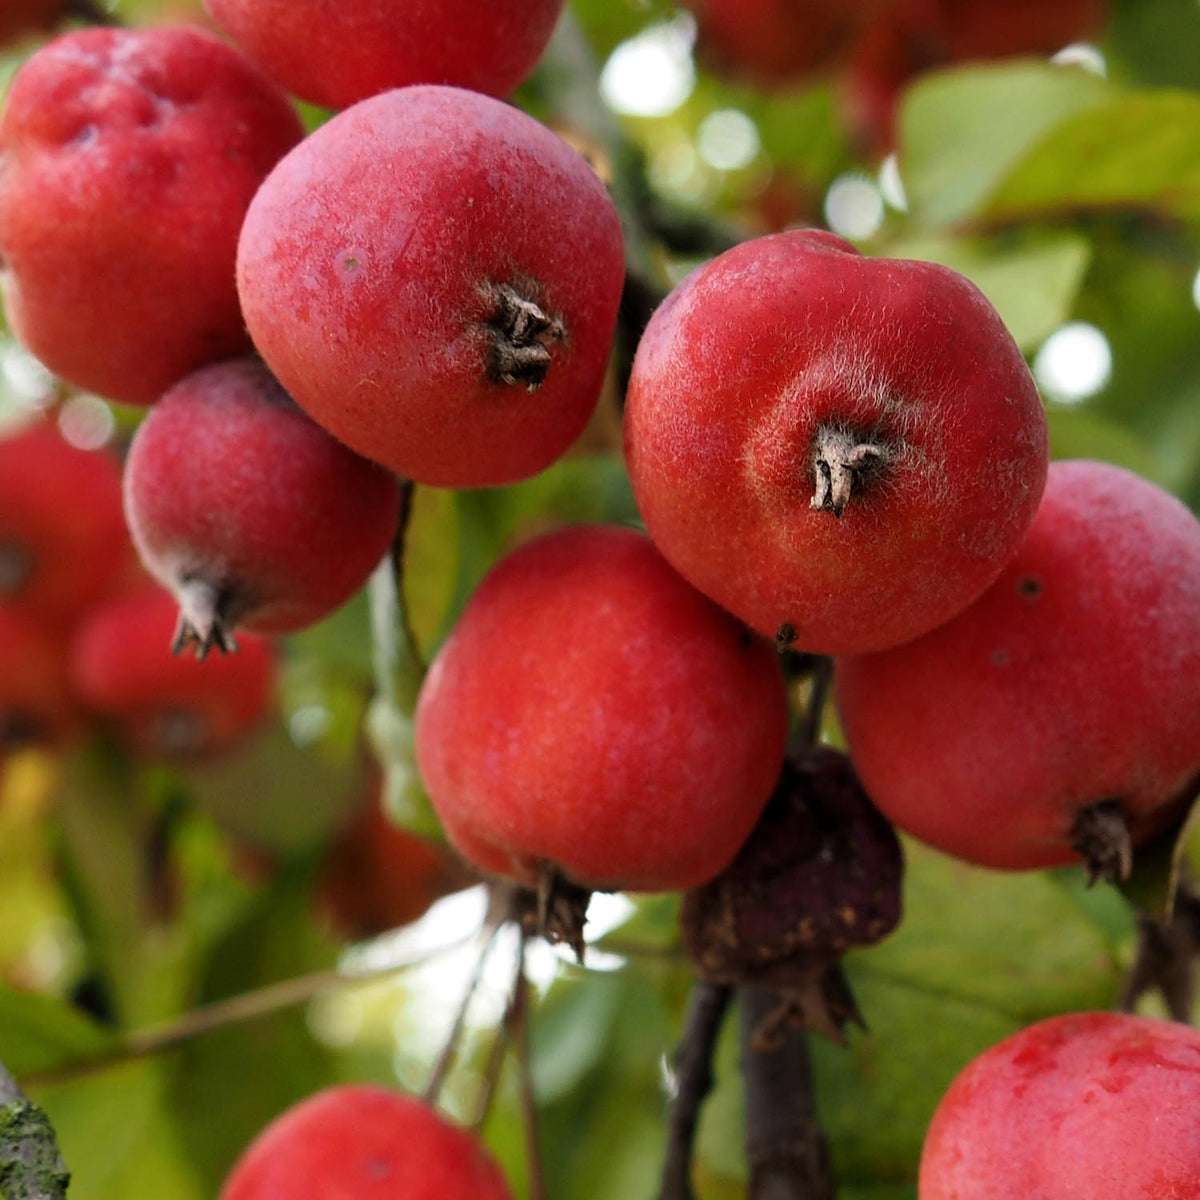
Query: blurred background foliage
[(133, 894)]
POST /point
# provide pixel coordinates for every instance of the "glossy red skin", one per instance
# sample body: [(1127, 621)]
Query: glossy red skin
[(1090, 1106), (227, 481), (363, 47), (592, 711), (18, 17), (773, 42), (60, 511), (166, 705), (35, 694), (743, 363), (364, 270), (130, 157), (986, 737), (355, 1142)]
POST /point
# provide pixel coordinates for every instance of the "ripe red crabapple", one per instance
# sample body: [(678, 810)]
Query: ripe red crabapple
[(1063, 705), (368, 1143), (160, 704), (35, 694), (63, 541), (129, 159), (369, 46), (593, 716), (843, 451), (247, 511), (434, 276), (1095, 1105)]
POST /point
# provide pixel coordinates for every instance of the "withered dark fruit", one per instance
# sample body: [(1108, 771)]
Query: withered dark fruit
[(821, 873)]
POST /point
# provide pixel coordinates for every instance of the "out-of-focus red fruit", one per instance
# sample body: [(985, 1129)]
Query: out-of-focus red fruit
[(364, 1143), (251, 514), (595, 717), (1069, 692), (434, 277), (18, 17), (129, 159), (369, 46), (35, 695), (63, 541), (773, 42), (843, 451), (380, 877), (1096, 1105), (163, 705)]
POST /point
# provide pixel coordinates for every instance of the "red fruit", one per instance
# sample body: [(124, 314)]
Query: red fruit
[(35, 694), (63, 541), (773, 42), (434, 277), (594, 716), (130, 157), (247, 511), (368, 46), (18, 17), (843, 451), (1095, 1105), (364, 1143), (161, 704), (1072, 683)]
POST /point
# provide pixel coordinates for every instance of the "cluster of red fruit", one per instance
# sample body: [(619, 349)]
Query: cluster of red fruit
[(832, 454), (875, 48)]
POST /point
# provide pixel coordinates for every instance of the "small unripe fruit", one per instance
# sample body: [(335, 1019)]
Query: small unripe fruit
[(129, 159), (369, 46), (368, 1143), (843, 451), (1065, 700), (247, 511), (163, 705), (36, 704), (594, 716), (1095, 1105), (63, 541), (434, 276)]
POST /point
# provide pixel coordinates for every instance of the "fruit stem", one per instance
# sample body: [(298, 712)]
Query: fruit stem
[(16, 566), (1100, 835), (842, 461), (1166, 957), (535, 1179), (206, 617), (786, 1148), (707, 1006), (522, 334)]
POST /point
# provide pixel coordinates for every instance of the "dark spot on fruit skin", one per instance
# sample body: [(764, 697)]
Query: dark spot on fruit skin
[(1029, 587)]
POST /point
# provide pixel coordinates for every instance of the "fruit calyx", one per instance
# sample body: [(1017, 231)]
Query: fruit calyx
[(207, 615), (16, 566), (842, 461), (1100, 834), (521, 336), (557, 909)]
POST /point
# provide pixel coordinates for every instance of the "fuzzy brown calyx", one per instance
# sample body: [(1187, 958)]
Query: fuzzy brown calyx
[(521, 336), (1100, 835), (842, 461), (206, 617), (16, 566), (557, 910)]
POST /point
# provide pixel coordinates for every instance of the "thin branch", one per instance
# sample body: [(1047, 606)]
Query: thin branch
[(500, 1044), (821, 676), (408, 491), (31, 1167), (529, 1116), (786, 1147), (249, 1006), (707, 1006)]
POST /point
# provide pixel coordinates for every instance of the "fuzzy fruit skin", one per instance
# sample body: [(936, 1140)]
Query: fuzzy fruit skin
[(1094, 1106), (1074, 679), (355, 1142), (36, 703), (369, 46), (63, 541), (229, 483), (160, 704), (369, 267), (130, 157), (750, 357), (593, 713)]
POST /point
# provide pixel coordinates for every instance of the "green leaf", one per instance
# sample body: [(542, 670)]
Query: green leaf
[(39, 1033), (962, 131)]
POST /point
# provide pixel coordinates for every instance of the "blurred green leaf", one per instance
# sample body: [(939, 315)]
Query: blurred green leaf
[(38, 1033)]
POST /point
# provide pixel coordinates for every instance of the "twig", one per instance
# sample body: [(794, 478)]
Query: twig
[(529, 1116), (707, 1006), (821, 677), (31, 1167), (491, 1072), (248, 1006), (786, 1147)]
